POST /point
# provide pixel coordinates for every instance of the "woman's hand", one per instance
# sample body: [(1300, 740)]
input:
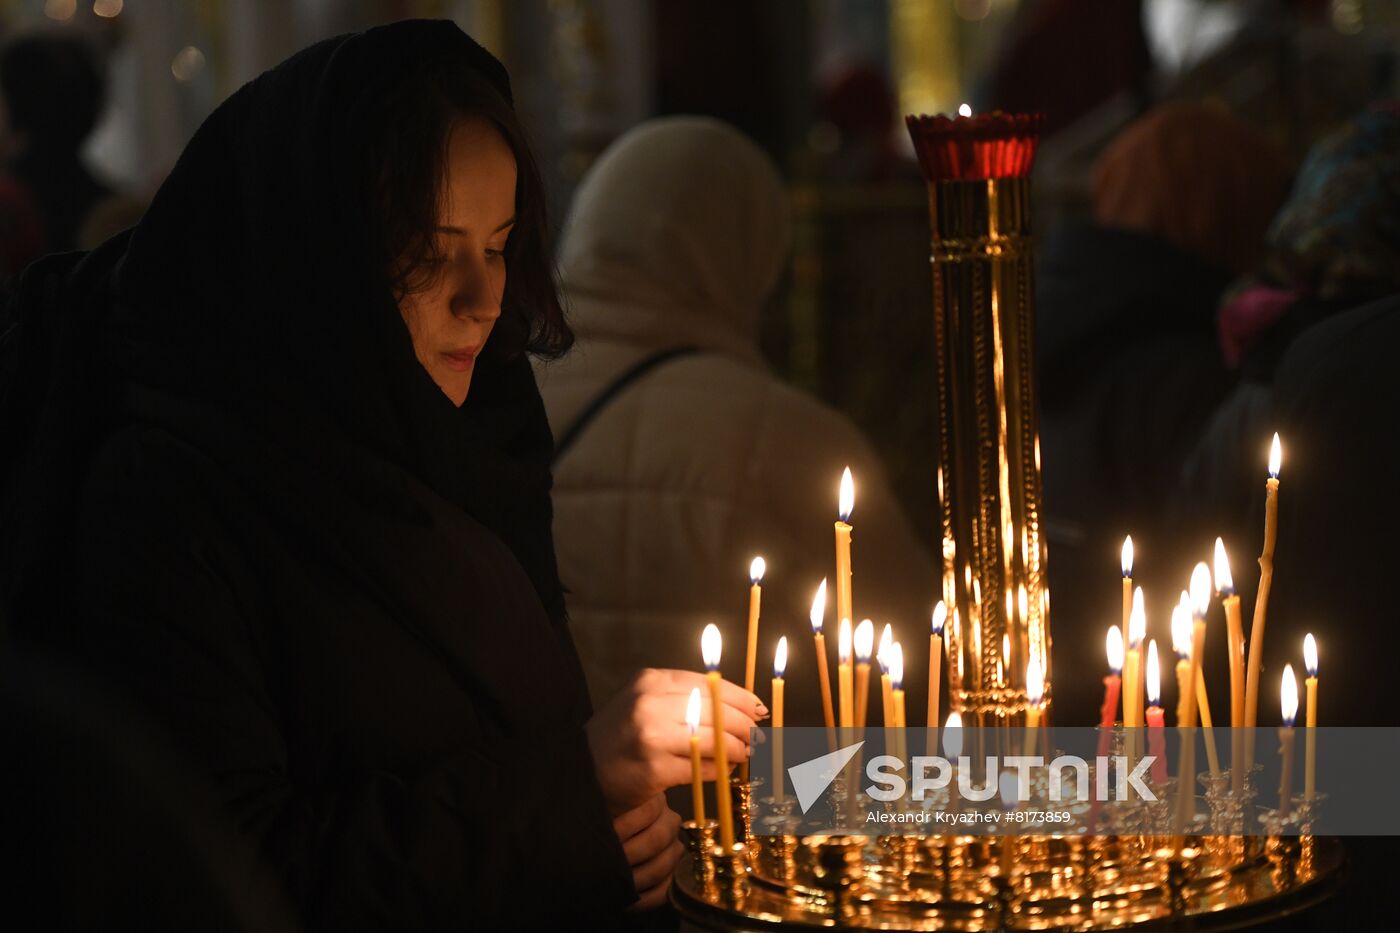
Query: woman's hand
[(649, 839), (640, 741)]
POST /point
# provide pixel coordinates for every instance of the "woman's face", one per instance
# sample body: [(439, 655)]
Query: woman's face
[(451, 319)]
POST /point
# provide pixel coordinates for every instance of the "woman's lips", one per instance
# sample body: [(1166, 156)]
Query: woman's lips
[(460, 360)]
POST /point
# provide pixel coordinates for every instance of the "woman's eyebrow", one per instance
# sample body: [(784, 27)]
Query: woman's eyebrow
[(458, 231)]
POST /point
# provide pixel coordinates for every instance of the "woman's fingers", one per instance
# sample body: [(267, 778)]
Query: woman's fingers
[(653, 839), (677, 743), (654, 898), (656, 871), (639, 818), (674, 681)]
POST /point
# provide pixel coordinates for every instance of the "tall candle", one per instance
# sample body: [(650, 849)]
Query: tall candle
[(779, 668), (1310, 739), (818, 616), (1230, 600), (882, 655), (845, 504), (843, 675), (1156, 739), (1288, 701), (897, 698), (1112, 685), (935, 674), (1181, 644), (710, 648), (1008, 784), (1035, 694), (1261, 602), (697, 786), (756, 568), (952, 750), (1200, 599), (1127, 566), (1132, 675), (864, 643)]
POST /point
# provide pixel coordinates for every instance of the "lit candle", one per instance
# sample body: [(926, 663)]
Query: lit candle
[(1261, 602), (1181, 644), (882, 654), (1035, 693), (756, 568), (952, 750), (779, 667), (843, 674), (1112, 686), (1010, 795), (1200, 605), (1132, 675), (1156, 739), (935, 671), (897, 697), (1230, 600), (1310, 740), (1288, 701), (1127, 565), (697, 786), (823, 665), (846, 501), (865, 643), (710, 646)]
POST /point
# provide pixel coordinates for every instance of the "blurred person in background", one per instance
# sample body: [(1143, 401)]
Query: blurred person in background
[(681, 456), (1130, 370), (51, 95)]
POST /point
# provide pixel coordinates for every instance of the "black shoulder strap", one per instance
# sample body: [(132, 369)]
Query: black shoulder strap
[(610, 392)]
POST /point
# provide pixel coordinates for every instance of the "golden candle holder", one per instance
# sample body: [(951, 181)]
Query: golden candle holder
[(699, 839)]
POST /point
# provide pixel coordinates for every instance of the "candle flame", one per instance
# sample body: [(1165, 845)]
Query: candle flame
[(1200, 590), (940, 616), (1137, 620), (1009, 787), (896, 666), (865, 640), (964, 110), (1288, 695), (756, 569), (1275, 457), (843, 642), (1127, 558), (952, 736), (710, 645), (846, 500), (1114, 644), (818, 612), (1224, 582), (1154, 675), (1035, 682), (780, 658), (1310, 654), (882, 654), (1181, 632), (692, 710)]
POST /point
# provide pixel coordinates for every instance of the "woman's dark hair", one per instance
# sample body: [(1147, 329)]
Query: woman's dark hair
[(403, 167)]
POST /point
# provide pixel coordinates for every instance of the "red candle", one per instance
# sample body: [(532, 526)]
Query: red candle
[(1156, 737), (1112, 684)]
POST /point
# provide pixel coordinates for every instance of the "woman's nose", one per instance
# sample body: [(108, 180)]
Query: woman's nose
[(476, 292)]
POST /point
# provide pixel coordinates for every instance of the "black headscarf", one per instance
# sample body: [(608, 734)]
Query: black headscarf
[(250, 292)]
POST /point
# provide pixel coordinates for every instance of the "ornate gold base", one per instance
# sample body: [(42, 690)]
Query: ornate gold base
[(1054, 883)]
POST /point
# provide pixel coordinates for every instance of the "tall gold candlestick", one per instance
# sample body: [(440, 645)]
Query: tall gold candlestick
[(779, 668), (710, 648), (1200, 599), (756, 568), (935, 676), (864, 643), (1310, 737), (843, 675), (1261, 603), (818, 616), (697, 785), (1035, 694), (845, 504), (1288, 701)]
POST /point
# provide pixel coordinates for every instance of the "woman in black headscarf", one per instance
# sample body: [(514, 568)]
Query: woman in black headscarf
[(302, 500)]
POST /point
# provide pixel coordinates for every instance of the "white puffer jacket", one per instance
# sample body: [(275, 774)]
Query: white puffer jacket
[(676, 238)]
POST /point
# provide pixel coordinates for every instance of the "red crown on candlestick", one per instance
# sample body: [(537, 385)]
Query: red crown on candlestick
[(990, 145)]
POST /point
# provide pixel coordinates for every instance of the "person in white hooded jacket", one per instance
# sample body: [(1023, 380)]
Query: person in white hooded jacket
[(680, 456)]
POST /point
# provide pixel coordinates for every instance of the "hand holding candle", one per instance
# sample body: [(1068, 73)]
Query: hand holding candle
[(1156, 739), (710, 648), (780, 657), (1310, 737), (697, 786), (1288, 702)]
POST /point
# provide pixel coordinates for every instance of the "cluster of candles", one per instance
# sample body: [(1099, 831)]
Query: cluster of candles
[(1133, 660), (1134, 671)]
